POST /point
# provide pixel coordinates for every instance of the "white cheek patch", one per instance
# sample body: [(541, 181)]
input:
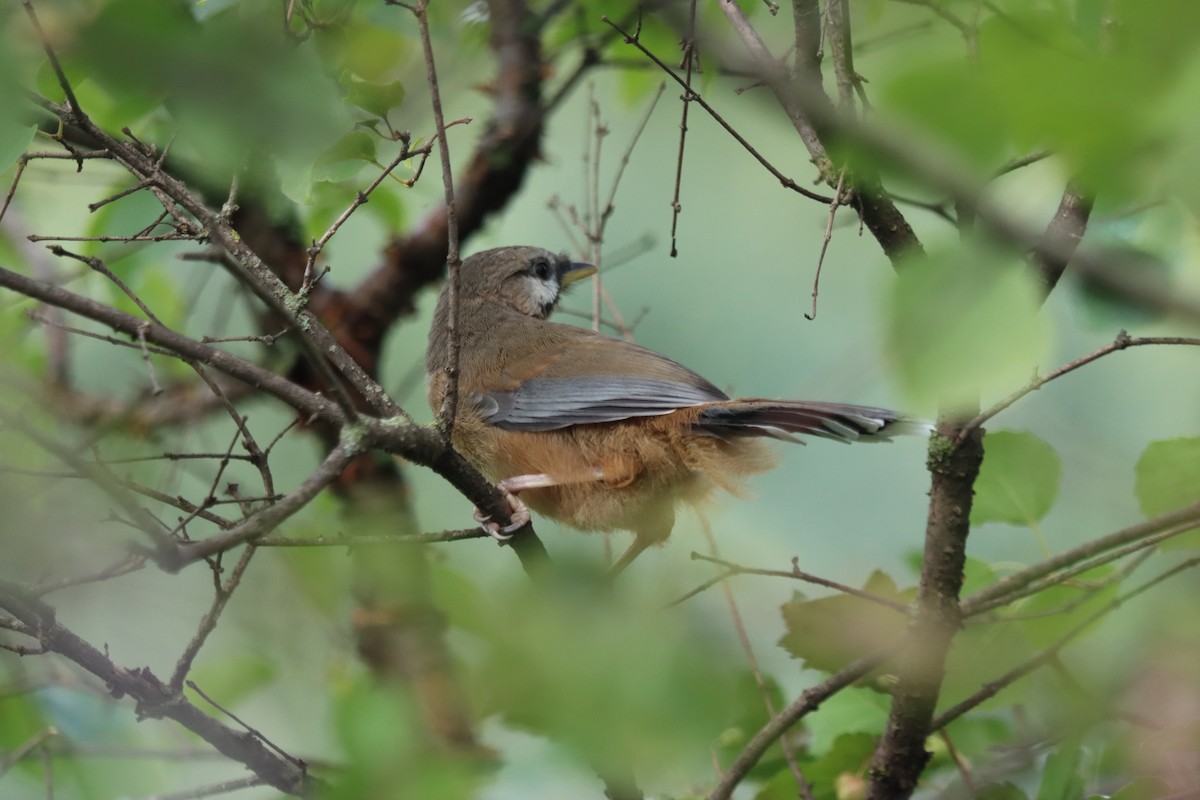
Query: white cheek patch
[(543, 294)]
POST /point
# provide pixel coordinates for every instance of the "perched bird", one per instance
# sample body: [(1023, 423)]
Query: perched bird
[(597, 432)]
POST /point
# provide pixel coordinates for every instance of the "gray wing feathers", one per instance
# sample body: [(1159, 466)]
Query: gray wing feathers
[(783, 419), (545, 404)]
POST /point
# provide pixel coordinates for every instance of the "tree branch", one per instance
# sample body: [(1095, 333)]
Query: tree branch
[(154, 699)]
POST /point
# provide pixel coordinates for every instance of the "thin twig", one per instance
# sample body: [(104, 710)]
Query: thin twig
[(808, 701), (700, 101), (992, 688), (257, 734), (690, 57), (209, 623), (833, 207), (974, 606), (1122, 341), (744, 638), (453, 262), (794, 573), (224, 787)]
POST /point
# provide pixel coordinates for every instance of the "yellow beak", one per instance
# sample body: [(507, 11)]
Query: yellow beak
[(576, 272)]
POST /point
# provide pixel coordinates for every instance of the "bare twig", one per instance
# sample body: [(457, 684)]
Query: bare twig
[(806, 703), (1122, 341), (212, 789), (1010, 585), (700, 101), (690, 57), (833, 207), (795, 573), (223, 592), (453, 262), (992, 688), (739, 625)]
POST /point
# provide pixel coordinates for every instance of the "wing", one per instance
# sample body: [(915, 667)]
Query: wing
[(584, 378)]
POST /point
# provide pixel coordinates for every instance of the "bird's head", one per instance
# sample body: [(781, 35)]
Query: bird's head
[(526, 279)]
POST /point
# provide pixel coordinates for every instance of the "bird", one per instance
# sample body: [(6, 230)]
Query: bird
[(594, 431)]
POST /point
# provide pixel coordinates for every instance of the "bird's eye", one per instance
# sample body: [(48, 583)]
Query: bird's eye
[(542, 269)]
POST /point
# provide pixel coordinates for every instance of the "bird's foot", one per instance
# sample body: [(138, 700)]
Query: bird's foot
[(519, 514)]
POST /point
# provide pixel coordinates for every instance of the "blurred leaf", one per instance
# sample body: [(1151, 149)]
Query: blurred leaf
[(1042, 63), (376, 98), (1168, 477), (346, 157), (1107, 309), (1018, 481), (1054, 611), (1001, 791), (748, 717), (368, 50), (830, 632), (852, 710), (979, 654), (232, 679), (1060, 775), (977, 736), (951, 103), (593, 671), (22, 720), (295, 179), (976, 575), (1140, 789), (961, 323), (387, 752), (233, 82), (458, 597), (159, 293), (848, 757), (13, 143)]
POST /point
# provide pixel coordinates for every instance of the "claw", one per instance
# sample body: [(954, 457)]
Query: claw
[(519, 514)]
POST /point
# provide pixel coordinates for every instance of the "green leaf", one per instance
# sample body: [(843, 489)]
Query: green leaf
[(1168, 477), (1001, 791), (1018, 481), (961, 323), (830, 632), (852, 710), (295, 179), (949, 102), (1109, 309), (1060, 776), (13, 143), (346, 157), (749, 715), (838, 773), (375, 98), (590, 669)]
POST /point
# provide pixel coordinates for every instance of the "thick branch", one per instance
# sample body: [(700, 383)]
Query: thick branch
[(153, 697), (901, 756), (1061, 238)]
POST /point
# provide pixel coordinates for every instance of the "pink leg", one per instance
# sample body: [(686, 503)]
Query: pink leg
[(509, 487)]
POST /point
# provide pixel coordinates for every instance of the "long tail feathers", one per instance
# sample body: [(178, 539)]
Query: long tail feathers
[(783, 419)]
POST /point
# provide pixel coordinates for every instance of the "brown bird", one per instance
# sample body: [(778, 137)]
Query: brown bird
[(596, 432)]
